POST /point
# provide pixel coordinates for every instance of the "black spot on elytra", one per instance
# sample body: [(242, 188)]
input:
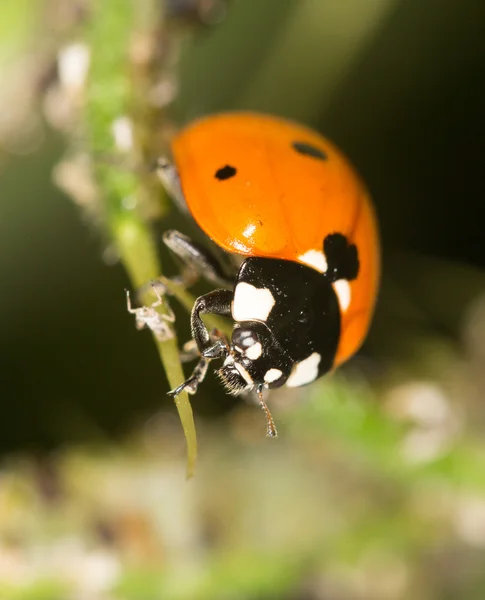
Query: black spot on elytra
[(225, 173), (342, 257), (309, 150)]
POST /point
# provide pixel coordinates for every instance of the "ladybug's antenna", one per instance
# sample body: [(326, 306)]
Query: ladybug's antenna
[(271, 427)]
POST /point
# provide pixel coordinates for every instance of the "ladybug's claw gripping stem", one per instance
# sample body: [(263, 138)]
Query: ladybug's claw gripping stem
[(217, 350), (192, 383)]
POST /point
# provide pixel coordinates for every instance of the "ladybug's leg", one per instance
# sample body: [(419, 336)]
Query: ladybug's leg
[(192, 383), (170, 179), (217, 302), (342, 258), (197, 260), (190, 351), (210, 347)]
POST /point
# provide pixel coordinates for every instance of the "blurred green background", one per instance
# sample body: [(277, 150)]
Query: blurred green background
[(374, 489)]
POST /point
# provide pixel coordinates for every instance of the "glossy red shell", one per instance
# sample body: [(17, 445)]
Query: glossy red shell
[(280, 203)]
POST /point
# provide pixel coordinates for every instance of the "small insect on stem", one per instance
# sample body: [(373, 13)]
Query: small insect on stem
[(270, 424), (147, 316)]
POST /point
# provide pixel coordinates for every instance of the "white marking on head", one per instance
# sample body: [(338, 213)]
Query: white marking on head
[(229, 360), (305, 371), (344, 294), (254, 351), (244, 374), (315, 259), (272, 375), (251, 303)]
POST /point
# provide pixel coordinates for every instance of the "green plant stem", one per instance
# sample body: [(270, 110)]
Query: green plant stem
[(139, 257), (113, 91)]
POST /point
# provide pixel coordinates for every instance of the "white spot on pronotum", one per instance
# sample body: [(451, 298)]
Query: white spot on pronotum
[(315, 259), (304, 371), (122, 129), (272, 375), (73, 65), (251, 303), (344, 295), (254, 351)]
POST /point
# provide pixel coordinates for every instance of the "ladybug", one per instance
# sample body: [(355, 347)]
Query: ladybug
[(287, 201)]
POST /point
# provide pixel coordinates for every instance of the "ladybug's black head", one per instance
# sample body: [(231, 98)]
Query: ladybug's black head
[(255, 359)]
